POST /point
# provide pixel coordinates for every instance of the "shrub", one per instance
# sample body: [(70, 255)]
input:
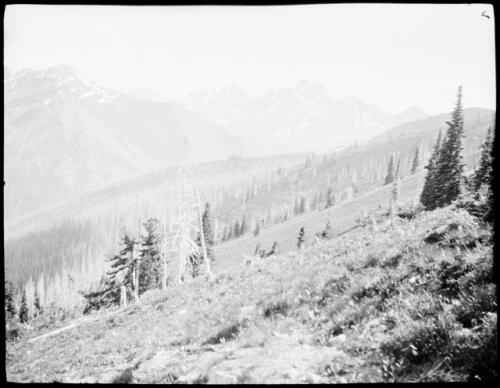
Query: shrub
[(228, 333), (385, 288), (473, 305), (334, 287), (371, 261), (450, 272), (420, 341), (276, 308), (484, 356), (480, 209), (392, 261)]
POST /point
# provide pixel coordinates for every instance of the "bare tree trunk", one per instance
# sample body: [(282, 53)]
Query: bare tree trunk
[(202, 234), (164, 259), (123, 296), (182, 262), (135, 274)]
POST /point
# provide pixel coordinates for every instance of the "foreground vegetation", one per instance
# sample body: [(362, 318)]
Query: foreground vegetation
[(412, 300)]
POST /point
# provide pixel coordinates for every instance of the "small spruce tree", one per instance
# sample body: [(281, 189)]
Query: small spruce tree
[(416, 160), (430, 190), (208, 232), (397, 173), (257, 230), (243, 225), (236, 229), (150, 261), (484, 173), (302, 206), (389, 177), (274, 249), (326, 233), (300, 238), (195, 258), (10, 306), (23, 310), (394, 199), (330, 200), (296, 207), (36, 304)]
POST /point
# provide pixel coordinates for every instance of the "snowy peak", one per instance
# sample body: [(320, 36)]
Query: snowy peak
[(60, 79), (301, 117), (66, 135), (224, 105)]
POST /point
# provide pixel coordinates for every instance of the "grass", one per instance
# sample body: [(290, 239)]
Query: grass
[(391, 305)]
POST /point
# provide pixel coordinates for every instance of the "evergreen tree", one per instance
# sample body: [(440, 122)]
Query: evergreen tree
[(243, 226), (236, 229), (389, 177), (330, 200), (123, 264), (195, 258), (150, 263), (397, 174), (326, 233), (274, 250), (121, 273), (10, 307), (36, 303), (257, 250), (430, 189), (483, 175), (208, 232), (450, 165), (296, 208), (416, 160), (395, 193), (224, 234), (24, 311), (257, 230), (302, 206), (300, 238)]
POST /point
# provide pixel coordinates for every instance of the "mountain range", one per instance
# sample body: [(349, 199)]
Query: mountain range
[(301, 118), (66, 136)]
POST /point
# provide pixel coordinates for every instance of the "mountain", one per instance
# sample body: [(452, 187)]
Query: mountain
[(476, 123), (65, 136), (295, 119)]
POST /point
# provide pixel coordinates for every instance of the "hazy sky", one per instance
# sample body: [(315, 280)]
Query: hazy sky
[(393, 56)]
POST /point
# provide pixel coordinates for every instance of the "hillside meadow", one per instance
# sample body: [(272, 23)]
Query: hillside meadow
[(413, 300)]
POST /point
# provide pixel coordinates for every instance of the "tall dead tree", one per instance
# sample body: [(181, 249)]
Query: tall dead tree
[(164, 256), (189, 222), (208, 272)]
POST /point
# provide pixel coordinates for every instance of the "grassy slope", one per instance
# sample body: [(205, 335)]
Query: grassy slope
[(342, 218), (325, 314), (329, 313)]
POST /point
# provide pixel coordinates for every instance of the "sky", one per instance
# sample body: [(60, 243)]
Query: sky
[(393, 56)]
